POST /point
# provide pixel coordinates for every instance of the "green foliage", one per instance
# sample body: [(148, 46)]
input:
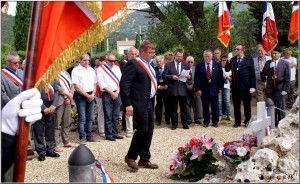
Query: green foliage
[(22, 20), (7, 23), (282, 11)]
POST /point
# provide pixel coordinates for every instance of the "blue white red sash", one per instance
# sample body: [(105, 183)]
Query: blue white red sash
[(64, 81), (150, 71), (110, 73), (51, 90), (106, 178), (13, 76), (125, 61)]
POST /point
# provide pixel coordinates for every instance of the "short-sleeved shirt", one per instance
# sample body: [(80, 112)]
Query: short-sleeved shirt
[(85, 78)]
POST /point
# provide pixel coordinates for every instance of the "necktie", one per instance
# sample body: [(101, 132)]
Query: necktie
[(178, 71), (239, 60), (160, 71), (208, 72)]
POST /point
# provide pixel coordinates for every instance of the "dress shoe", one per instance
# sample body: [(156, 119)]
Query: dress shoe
[(198, 122), (58, 149), (246, 121), (173, 128), (186, 127), (41, 157), (131, 163), (205, 126), (118, 137), (235, 126), (148, 165), (52, 154), (189, 122), (215, 125), (110, 139), (167, 122), (71, 145)]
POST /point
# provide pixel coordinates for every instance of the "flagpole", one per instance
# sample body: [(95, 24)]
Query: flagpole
[(28, 82)]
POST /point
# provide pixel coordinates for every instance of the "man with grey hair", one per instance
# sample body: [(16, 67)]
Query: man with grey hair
[(193, 101), (84, 79), (209, 83)]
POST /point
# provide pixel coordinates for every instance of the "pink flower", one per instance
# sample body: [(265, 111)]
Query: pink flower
[(196, 151)]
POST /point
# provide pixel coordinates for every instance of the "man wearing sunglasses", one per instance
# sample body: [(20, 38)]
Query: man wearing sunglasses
[(243, 84)]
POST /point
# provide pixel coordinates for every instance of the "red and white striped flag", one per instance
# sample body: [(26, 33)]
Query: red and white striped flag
[(294, 25), (225, 23), (269, 28)]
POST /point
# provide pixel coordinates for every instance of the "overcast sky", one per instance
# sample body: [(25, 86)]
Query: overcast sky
[(12, 8)]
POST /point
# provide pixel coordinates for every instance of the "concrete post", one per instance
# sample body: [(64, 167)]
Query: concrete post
[(271, 111), (82, 165)]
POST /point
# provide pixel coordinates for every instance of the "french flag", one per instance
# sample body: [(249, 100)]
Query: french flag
[(225, 23), (106, 178), (269, 28), (293, 31)]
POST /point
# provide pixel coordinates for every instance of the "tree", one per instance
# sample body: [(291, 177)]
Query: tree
[(22, 20), (282, 12)]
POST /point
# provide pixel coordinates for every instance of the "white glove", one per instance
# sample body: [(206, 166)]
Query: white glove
[(252, 90), (229, 56), (31, 109), (283, 93), (272, 64)]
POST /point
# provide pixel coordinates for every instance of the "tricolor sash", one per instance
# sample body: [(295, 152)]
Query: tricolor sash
[(13, 76), (51, 90), (64, 81), (110, 73), (106, 178), (150, 71)]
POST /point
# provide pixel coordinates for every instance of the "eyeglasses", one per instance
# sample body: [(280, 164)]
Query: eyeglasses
[(224, 60), (190, 61), (237, 49), (111, 60), (15, 63)]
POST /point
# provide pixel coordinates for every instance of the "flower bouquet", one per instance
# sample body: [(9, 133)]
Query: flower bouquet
[(235, 151), (194, 160)]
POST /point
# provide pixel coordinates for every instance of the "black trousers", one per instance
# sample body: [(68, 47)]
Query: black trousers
[(279, 102), (213, 101), (239, 95), (182, 105), (161, 100), (141, 140), (44, 128)]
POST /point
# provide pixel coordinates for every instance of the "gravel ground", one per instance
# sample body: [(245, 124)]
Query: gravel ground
[(111, 154)]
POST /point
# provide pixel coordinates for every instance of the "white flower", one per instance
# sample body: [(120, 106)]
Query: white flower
[(241, 151)]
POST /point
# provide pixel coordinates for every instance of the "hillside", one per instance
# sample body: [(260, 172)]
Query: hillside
[(7, 34)]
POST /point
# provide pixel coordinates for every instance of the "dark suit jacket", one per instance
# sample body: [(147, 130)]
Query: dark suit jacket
[(283, 76), (175, 87), (53, 97), (135, 87), (201, 82), (243, 76)]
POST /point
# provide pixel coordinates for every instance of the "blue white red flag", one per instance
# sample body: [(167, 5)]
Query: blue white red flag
[(269, 29), (294, 25), (225, 23), (106, 178)]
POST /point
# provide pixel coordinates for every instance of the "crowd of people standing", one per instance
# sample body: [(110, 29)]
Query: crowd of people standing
[(152, 91)]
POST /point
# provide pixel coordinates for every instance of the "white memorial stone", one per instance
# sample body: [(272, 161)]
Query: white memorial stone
[(259, 126)]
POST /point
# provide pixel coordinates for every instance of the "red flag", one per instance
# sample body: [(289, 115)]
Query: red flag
[(293, 31), (67, 30), (110, 8), (269, 28), (225, 23)]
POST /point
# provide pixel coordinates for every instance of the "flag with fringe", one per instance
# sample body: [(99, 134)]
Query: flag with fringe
[(294, 25), (269, 28), (225, 23), (106, 178), (68, 29)]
